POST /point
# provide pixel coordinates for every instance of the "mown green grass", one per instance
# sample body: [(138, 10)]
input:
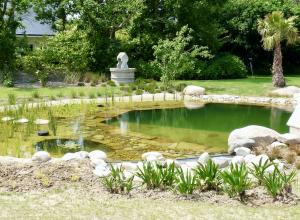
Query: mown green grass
[(256, 86)]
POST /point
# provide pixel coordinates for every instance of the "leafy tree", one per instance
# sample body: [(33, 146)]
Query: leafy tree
[(176, 56), (10, 18), (274, 29)]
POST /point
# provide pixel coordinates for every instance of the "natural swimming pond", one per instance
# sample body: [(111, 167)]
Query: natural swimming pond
[(172, 129), (209, 125)]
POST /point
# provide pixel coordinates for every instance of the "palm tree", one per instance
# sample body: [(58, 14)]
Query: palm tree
[(274, 29)]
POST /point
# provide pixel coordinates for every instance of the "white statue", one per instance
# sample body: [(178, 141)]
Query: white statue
[(122, 61)]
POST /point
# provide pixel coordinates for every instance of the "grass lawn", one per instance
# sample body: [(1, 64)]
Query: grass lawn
[(73, 204), (258, 86)]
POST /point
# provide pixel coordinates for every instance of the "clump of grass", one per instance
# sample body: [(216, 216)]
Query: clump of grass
[(73, 94), (81, 94), (236, 180), (116, 181), (12, 100), (150, 175), (209, 175), (186, 182), (60, 95), (259, 170), (92, 95), (52, 122), (290, 157), (278, 183), (52, 97), (36, 95)]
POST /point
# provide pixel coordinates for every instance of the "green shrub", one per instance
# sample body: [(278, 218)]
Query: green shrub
[(186, 182), (168, 175), (150, 175), (73, 94), (8, 82), (12, 100), (226, 66), (236, 180), (60, 95), (111, 83), (92, 95), (81, 93), (179, 87), (258, 170), (52, 97), (139, 92), (209, 175), (116, 181), (36, 95)]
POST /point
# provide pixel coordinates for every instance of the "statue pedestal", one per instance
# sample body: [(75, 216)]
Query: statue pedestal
[(122, 75)]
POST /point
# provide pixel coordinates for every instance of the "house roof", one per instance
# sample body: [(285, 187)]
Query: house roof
[(32, 27)]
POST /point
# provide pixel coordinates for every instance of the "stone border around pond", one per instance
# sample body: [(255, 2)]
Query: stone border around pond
[(228, 99)]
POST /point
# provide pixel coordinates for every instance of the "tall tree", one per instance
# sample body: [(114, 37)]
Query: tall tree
[(274, 29), (10, 19)]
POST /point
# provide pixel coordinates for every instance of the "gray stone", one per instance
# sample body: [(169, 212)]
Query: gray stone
[(242, 151), (237, 160), (194, 90), (289, 138), (97, 154), (262, 136), (204, 158), (41, 156), (238, 143)]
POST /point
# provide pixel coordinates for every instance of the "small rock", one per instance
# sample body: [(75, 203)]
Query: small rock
[(41, 122), (97, 154), (168, 162), (263, 158), (289, 138), (242, 151), (204, 158), (152, 156), (241, 143), (98, 162), (43, 133), (221, 162), (130, 167), (41, 156), (249, 158), (101, 171), (7, 118), (22, 121), (192, 164), (237, 160)]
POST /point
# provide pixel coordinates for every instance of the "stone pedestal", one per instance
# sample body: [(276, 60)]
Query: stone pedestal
[(122, 75)]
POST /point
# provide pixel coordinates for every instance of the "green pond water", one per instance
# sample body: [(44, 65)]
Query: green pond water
[(209, 125)]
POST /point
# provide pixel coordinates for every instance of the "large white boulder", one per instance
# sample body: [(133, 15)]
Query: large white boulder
[(194, 90), (204, 158), (249, 158), (261, 136), (289, 138), (97, 154), (242, 151), (128, 166), (75, 156), (286, 91), (222, 162), (41, 156)]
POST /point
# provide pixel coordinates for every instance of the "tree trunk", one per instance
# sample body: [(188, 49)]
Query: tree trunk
[(277, 71)]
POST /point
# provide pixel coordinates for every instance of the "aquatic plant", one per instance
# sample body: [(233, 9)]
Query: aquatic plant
[(236, 180), (209, 175), (12, 100), (116, 182), (258, 170), (52, 122), (186, 182)]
